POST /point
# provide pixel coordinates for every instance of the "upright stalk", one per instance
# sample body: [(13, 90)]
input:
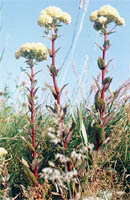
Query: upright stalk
[(32, 108), (53, 64), (103, 71)]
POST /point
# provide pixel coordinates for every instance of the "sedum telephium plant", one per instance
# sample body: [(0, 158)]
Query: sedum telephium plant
[(51, 19), (60, 134), (102, 18), (33, 53)]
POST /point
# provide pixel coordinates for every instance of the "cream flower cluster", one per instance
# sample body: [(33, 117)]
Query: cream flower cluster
[(37, 51), (48, 15), (107, 14), (3, 152)]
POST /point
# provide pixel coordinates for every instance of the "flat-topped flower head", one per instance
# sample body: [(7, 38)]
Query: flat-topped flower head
[(3, 152), (53, 11), (52, 16), (37, 51), (106, 15)]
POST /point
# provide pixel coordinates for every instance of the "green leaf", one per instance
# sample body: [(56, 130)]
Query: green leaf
[(30, 146), (30, 99), (111, 32), (29, 76), (30, 175), (60, 92), (99, 46), (52, 90), (99, 102), (35, 91), (37, 72), (101, 63), (34, 163), (107, 44), (50, 52), (57, 50), (103, 31), (82, 127), (53, 70), (84, 134), (2, 55), (25, 163)]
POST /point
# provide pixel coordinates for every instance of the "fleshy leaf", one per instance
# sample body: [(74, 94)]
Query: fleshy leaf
[(30, 146), (101, 63)]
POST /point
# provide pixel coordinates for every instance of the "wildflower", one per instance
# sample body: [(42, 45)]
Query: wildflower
[(70, 174), (102, 20), (62, 158), (52, 15), (51, 174), (54, 138), (3, 152), (106, 15), (66, 18), (44, 19), (37, 51), (75, 155), (93, 16)]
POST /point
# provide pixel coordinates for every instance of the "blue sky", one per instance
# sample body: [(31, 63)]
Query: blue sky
[(19, 25)]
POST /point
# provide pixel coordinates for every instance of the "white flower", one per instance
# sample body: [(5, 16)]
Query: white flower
[(53, 11), (75, 155), (106, 14), (70, 174), (66, 18), (54, 138), (51, 174), (102, 20), (44, 19), (107, 10), (120, 21), (62, 158), (93, 16), (51, 14), (3, 152), (37, 51)]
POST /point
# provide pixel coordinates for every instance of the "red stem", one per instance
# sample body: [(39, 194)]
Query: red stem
[(33, 119), (53, 63), (103, 72)]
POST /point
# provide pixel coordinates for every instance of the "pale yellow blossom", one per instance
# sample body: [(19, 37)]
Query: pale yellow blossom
[(108, 10), (93, 16), (66, 18), (106, 15), (102, 20), (53, 11), (37, 51), (44, 19), (3, 152), (120, 21), (51, 15)]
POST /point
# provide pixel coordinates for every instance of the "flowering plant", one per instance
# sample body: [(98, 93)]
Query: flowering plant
[(32, 52), (102, 18), (53, 16), (36, 51)]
